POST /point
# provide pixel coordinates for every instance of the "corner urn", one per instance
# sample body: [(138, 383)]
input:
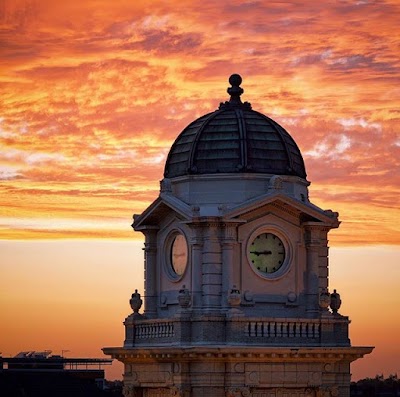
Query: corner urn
[(136, 302)]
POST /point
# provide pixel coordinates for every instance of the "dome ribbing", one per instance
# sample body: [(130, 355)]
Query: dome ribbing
[(234, 139)]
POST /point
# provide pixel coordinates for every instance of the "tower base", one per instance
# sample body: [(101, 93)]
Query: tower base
[(219, 371)]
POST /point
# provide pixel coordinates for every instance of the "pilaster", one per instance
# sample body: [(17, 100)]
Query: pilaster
[(211, 266), (317, 279), (230, 271), (150, 271), (197, 268)]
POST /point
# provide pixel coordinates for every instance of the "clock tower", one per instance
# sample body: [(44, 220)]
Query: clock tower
[(237, 300)]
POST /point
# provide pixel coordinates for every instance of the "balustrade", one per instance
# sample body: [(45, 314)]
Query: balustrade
[(283, 329), (154, 330)]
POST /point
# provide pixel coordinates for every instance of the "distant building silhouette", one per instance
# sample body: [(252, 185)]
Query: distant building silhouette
[(40, 374), (376, 387)]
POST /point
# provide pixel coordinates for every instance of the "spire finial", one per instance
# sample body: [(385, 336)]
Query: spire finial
[(235, 91)]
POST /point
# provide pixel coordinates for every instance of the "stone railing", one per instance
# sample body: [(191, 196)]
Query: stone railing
[(283, 329), (238, 330), (155, 330)]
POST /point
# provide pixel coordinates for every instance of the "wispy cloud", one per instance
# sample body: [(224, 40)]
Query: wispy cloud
[(90, 105)]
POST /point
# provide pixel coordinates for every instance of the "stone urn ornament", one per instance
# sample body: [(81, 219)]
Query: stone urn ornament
[(324, 300), (336, 302), (184, 297), (234, 296), (136, 302)]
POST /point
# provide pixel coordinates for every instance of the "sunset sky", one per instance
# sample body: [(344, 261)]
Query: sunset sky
[(94, 92)]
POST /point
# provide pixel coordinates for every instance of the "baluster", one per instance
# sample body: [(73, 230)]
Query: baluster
[(298, 325), (267, 328), (272, 329), (291, 330), (279, 330), (285, 330), (304, 330), (252, 329), (317, 328), (259, 329), (310, 330)]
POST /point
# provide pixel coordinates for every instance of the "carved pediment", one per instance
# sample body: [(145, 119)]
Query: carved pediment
[(297, 210), (160, 209)]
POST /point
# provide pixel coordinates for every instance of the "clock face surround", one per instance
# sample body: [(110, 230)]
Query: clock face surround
[(267, 254), (178, 255)]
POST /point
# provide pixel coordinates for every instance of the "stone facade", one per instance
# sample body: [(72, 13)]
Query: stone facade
[(218, 319), (219, 371)]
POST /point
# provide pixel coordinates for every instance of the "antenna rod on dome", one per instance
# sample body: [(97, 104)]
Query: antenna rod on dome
[(235, 91)]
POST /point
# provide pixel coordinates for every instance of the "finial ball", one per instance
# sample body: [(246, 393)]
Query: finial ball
[(235, 80)]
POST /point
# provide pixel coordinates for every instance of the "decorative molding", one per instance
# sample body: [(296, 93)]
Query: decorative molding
[(285, 391), (165, 185), (131, 391), (237, 392), (238, 354)]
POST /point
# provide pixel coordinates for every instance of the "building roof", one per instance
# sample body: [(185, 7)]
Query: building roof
[(234, 139)]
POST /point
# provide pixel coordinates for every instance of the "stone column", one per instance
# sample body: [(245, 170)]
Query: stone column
[(229, 267), (150, 272), (323, 269), (197, 266), (212, 266), (312, 240), (228, 272)]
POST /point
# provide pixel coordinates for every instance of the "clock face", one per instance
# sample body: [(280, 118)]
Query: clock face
[(267, 253), (179, 254)]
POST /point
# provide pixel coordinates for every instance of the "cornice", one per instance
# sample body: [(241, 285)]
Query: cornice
[(237, 354)]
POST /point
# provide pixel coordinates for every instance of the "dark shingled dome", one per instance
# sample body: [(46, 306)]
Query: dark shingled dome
[(234, 139)]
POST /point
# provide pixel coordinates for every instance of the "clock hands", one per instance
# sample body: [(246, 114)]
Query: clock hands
[(258, 253)]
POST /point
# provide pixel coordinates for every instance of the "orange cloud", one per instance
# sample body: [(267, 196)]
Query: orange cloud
[(92, 96)]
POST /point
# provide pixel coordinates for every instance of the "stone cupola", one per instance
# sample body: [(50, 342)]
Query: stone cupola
[(237, 299)]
